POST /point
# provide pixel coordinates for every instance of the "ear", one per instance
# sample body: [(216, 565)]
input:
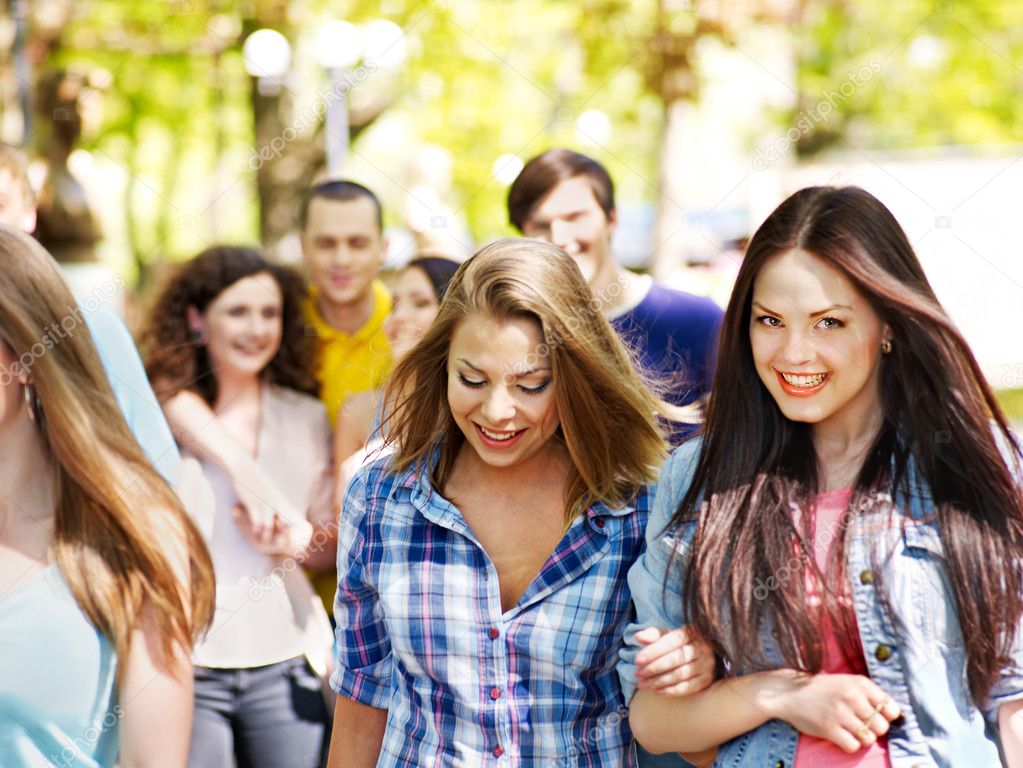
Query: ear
[(196, 323), (612, 222), (385, 244)]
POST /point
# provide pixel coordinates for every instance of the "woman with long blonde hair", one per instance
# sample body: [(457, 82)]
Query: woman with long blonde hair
[(482, 596), (105, 583)]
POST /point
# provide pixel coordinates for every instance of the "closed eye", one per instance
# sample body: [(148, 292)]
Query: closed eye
[(470, 382), (535, 390)]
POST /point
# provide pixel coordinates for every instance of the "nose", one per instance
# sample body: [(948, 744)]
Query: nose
[(799, 349), (259, 326), (561, 236), (499, 405)]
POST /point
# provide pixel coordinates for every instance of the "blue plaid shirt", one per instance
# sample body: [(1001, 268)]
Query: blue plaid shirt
[(421, 633)]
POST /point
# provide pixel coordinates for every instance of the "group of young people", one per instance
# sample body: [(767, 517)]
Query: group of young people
[(826, 570)]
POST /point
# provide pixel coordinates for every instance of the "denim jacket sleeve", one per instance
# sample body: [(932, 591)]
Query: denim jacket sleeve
[(658, 600)]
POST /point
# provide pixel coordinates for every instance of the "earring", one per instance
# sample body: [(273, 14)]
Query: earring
[(886, 346), (195, 336), (35, 408)]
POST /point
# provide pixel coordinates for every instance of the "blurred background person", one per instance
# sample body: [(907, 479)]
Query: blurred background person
[(416, 294), (343, 248), (228, 327), (105, 582)]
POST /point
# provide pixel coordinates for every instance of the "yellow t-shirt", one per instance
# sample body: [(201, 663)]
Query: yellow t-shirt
[(347, 364)]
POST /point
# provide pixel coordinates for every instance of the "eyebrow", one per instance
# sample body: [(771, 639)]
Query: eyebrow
[(818, 313), (522, 375)]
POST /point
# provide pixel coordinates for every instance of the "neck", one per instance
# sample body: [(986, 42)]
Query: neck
[(548, 468), (27, 476), (233, 391), (842, 448), (347, 318), (616, 287)]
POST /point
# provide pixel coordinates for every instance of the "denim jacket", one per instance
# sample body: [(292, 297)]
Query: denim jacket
[(919, 659)]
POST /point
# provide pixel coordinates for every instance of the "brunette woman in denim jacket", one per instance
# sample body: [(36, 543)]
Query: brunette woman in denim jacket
[(847, 535)]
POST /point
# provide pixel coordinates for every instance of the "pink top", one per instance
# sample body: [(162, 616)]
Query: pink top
[(810, 751)]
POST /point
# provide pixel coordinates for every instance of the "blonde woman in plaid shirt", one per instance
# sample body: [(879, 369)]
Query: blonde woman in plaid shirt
[(481, 590)]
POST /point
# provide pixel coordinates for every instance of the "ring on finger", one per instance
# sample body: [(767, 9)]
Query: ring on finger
[(863, 733)]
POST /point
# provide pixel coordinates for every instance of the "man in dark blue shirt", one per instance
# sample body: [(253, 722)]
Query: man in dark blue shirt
[(567, 199)]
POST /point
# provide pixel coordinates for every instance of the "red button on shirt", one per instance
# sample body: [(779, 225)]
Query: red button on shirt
[(494, 634), (599, 522), (498, 751), (495, 693)]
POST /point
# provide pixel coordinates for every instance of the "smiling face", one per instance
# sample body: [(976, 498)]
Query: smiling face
[(343, 249), (570, 217), (414, 307), (500, 389), (241, 327), (816, 343)]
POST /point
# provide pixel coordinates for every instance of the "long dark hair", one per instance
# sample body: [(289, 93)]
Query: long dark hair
[(174, 361), (938, 415)]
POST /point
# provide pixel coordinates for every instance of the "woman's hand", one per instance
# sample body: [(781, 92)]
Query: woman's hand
[(850, 711), (673, 663), (280, 538)]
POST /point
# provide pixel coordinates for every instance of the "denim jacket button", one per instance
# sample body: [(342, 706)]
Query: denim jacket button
[(866, 576), (780, 764), (883, 652)]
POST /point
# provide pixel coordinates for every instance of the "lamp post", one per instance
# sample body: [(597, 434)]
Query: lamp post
[(338, 48), (267, 55), (340, 45)]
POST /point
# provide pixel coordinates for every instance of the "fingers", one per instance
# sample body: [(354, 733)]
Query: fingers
[(673, 665), (660, 642), (873, 724)]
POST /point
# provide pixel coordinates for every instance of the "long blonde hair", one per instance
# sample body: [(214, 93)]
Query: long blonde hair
[(607, 413), (121, 537)]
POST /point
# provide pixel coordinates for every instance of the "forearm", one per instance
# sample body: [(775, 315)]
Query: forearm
[(195, 427), (1010, 725), (357, 736), (705, 720)]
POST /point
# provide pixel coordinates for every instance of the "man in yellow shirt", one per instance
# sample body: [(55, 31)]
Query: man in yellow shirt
[(344, 247)]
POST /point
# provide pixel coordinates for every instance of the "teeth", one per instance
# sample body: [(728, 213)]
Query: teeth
[(804, 381), (502, 436)]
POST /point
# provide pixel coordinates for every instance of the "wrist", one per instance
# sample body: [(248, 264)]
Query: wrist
[(773, 689)]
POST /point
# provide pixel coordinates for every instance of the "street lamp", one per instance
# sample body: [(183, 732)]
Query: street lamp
[(267, 55)]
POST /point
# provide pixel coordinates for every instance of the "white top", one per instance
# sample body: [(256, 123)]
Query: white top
[(263, 601)]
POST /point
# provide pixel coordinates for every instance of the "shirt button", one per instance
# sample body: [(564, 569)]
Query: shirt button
[(497, 751), (599, 522), (780, 764), (866, 576), (883, 652), (495, 693), (493, 633)]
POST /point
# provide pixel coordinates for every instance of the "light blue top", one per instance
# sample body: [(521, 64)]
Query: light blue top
[(919, 661), (127, 377), (57, 698)]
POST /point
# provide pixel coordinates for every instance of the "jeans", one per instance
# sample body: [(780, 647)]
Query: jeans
[(259, 717)]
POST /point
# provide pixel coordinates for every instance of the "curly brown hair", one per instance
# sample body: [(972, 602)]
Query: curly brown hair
[(173, 359)]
